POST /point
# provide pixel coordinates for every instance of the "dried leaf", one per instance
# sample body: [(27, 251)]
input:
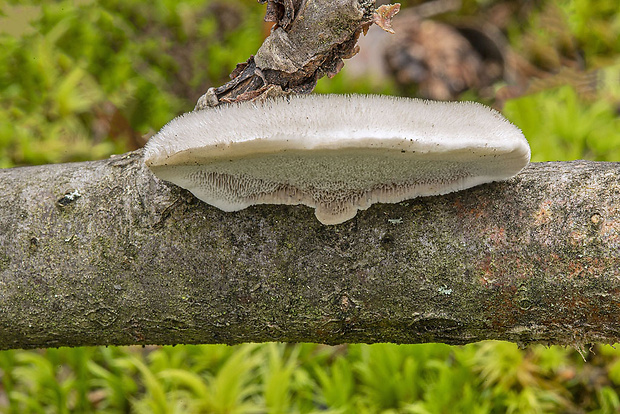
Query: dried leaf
[(382, 17)]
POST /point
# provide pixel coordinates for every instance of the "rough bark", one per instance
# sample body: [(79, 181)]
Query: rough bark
[(309, 40), (105, 253)]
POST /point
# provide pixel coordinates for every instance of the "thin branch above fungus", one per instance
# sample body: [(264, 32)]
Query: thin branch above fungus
[(305, 44)]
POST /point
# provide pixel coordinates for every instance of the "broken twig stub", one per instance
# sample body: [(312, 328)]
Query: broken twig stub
[(309, 40)]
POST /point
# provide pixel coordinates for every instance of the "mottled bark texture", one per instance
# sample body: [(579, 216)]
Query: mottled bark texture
[(103, 252)]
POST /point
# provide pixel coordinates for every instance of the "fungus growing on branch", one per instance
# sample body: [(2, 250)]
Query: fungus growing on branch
[(336, 153)]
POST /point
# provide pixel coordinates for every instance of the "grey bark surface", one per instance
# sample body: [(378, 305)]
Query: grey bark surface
[(103, 252)]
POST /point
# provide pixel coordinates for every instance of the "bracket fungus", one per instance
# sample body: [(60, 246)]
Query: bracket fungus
[(336, 153)]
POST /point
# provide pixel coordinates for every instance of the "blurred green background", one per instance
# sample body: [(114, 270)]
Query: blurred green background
[(82, 80)]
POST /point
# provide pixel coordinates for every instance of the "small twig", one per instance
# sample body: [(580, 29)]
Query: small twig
[(309, 40)]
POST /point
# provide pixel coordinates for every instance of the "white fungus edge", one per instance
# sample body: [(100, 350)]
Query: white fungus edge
[(337, 122)]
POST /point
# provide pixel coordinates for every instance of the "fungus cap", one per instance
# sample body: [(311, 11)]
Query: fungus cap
[(336, 153)]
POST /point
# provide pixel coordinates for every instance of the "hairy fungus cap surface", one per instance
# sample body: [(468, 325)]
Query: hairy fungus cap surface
[(336, 153)]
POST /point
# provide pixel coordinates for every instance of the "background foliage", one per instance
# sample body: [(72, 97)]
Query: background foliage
[(82, 80)]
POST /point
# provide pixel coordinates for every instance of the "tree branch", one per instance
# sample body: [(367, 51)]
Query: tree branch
[(103, 253), (309, 40)]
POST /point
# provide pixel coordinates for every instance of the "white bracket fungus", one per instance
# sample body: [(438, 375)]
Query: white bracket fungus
[(338, 154)]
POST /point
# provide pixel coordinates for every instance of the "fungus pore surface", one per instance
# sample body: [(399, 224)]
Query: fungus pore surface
[(336, 153)]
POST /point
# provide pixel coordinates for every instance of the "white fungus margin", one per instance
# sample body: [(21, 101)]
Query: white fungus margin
[(336, 153)]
